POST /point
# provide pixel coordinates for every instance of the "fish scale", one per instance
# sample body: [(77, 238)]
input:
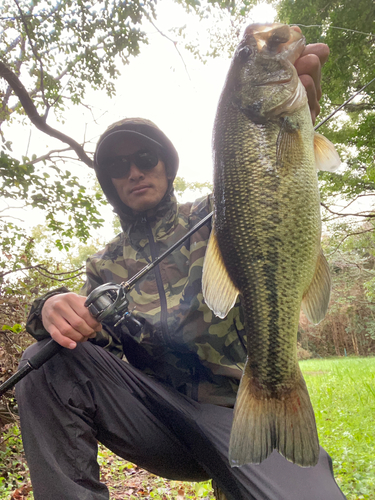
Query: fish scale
[(265, 243)]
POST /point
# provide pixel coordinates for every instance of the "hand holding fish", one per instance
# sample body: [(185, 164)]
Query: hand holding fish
[(309, 66)]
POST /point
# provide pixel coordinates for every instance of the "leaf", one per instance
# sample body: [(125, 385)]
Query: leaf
[(15, 328), (181, 494), (21, 493)]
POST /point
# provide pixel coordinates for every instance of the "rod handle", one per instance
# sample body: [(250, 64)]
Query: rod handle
[(35, 362), (48, 351)]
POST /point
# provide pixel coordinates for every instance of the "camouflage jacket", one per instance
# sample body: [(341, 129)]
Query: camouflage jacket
[(182, 343)]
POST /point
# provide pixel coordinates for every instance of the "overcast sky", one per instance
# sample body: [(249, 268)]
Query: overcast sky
[(181, 101), (155, 85)]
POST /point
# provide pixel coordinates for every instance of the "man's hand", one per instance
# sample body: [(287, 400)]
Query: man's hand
[(309, 67), (67, 319)]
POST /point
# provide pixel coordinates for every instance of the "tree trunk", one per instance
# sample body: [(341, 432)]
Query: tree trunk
[(335, 337)]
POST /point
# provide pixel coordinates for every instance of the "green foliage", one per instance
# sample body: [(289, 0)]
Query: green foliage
[(347, 27), (63, 46), (68, 207), (181, 185), (17, 328), (223, 36), (56, 192), (343, 398), (72, 260), (349, 326), (13, 468)]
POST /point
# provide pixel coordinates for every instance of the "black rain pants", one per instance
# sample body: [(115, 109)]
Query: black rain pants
[(87, 395)]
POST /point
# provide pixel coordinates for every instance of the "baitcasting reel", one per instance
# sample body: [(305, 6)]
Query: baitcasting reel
[(108, 304)]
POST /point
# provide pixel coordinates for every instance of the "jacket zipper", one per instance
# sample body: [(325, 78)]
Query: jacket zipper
[(160, 286)]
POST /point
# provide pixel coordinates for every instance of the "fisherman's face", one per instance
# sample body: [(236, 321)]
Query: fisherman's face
[(140, 189)]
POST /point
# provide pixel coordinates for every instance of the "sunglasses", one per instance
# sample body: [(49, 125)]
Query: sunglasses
[(143, 159)]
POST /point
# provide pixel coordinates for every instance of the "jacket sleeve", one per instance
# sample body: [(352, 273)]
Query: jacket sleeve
[(34, 324)]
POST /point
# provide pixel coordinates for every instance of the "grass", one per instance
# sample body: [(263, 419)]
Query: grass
[(342, 391)]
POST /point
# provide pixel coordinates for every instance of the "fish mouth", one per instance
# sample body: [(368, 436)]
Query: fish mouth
[(277, 38)]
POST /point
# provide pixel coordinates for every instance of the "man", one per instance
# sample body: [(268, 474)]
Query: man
[(169, 407)]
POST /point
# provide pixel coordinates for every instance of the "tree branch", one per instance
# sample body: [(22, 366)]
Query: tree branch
[(12, 45), (347, 236), (18, 65), (48, 155), (359, 214), (69, 67), (357, 197), (12, 208), (60, 279), (35, 117), (173, 41), (36, 55), (11, 217), (50, 274)]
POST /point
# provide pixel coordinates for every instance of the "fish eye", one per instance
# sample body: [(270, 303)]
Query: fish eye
[(245, 53)]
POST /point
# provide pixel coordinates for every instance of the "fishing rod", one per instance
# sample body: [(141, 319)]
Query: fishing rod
[(108, 304), (342, 105)]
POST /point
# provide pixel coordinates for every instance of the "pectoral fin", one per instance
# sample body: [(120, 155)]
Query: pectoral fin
[(316, 299), (289, 146), (326, 156), (219, 292)]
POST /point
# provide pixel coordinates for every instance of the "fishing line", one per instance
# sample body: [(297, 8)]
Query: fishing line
[(344, 104), (333, 27), (359, 91)]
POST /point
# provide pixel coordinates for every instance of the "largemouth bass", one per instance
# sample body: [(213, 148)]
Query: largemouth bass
[(265, 243)]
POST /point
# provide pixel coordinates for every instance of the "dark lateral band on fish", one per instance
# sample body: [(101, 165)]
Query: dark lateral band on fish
[(265, 243)]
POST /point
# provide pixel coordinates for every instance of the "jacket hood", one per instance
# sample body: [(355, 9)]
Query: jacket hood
[(150, 133)]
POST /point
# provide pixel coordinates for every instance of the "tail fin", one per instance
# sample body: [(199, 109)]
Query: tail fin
[(263, 423)]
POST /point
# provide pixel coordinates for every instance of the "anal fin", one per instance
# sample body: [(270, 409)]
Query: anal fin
[(316, 299)]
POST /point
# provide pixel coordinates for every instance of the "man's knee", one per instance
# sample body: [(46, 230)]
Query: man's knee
[(55, 368)]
